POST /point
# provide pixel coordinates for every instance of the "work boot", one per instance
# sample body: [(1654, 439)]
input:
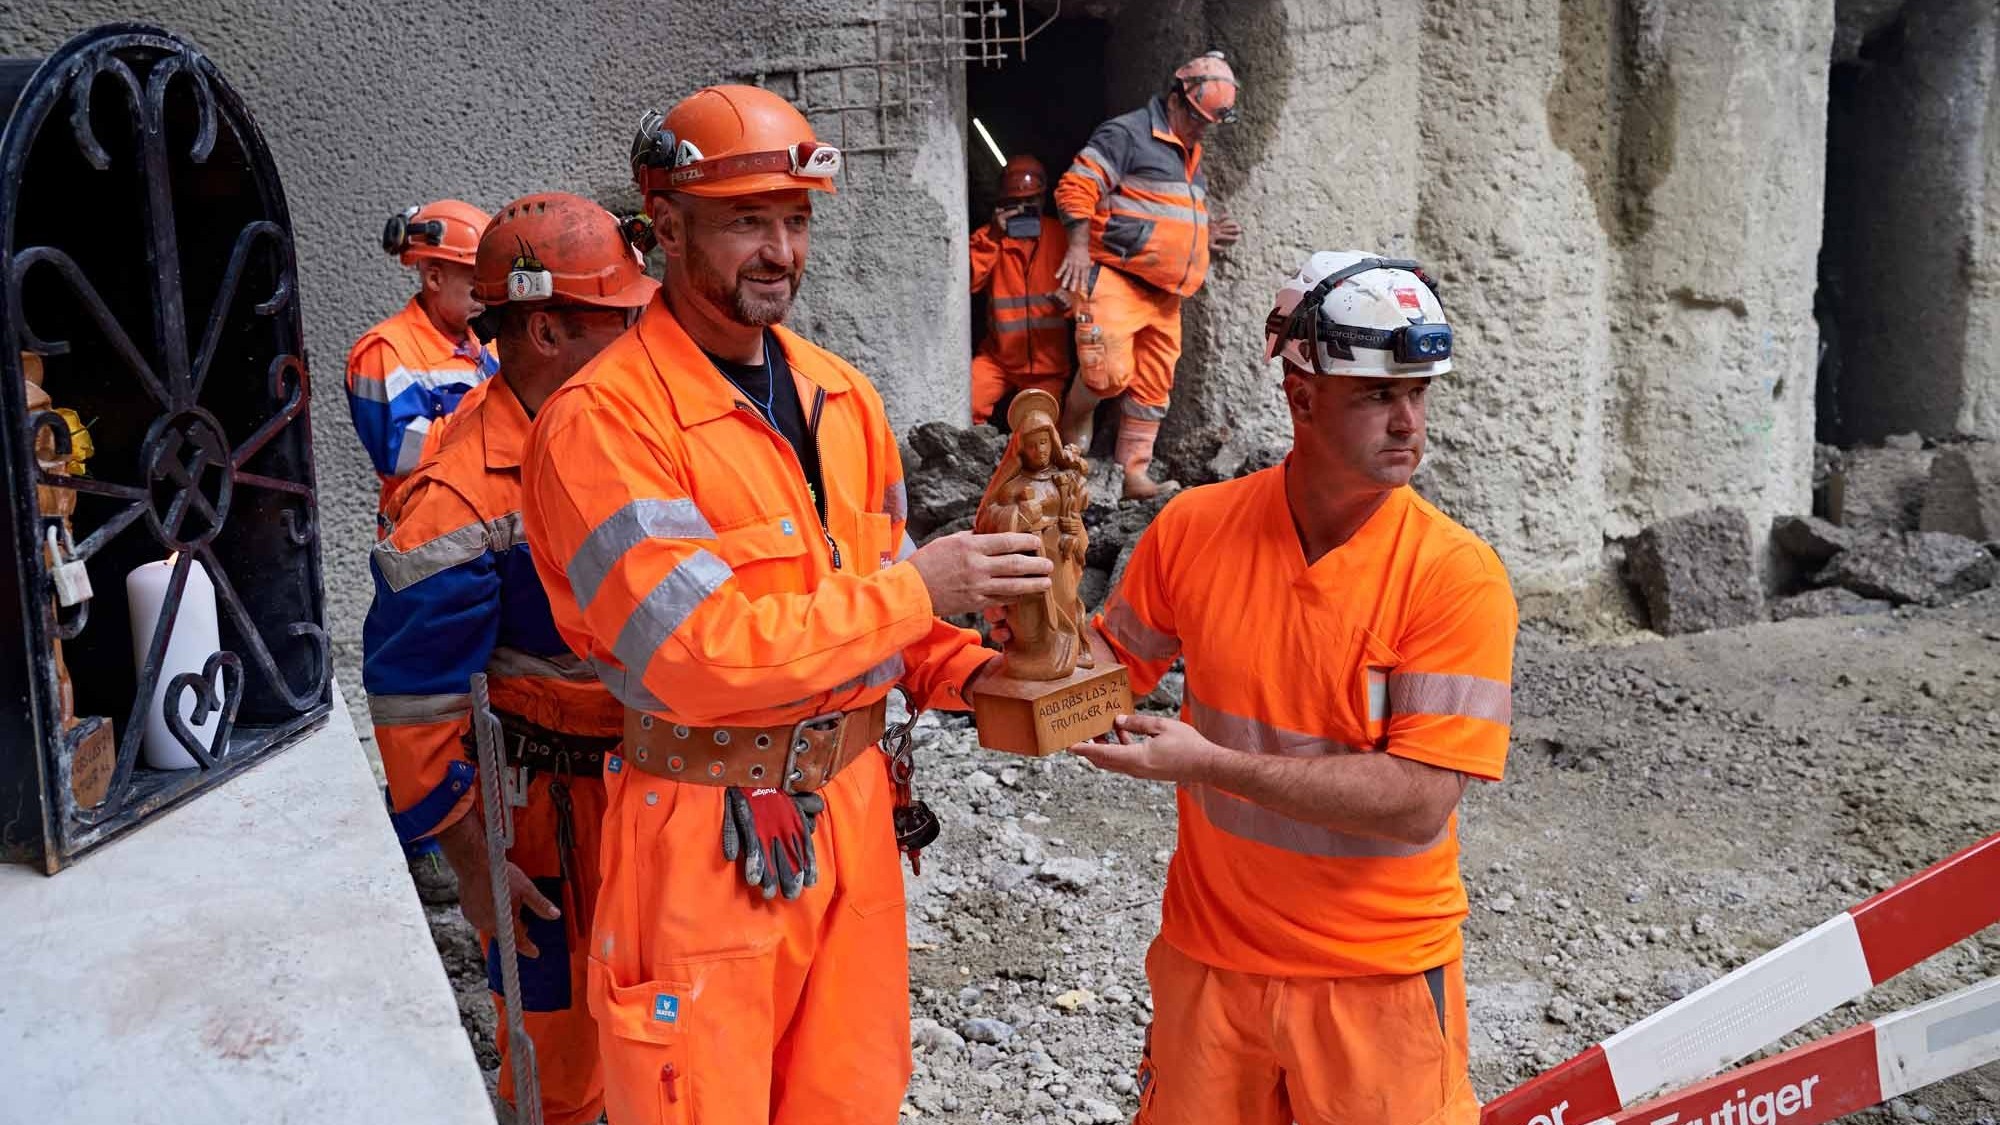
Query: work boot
[(1134, 453), (1079, 411)]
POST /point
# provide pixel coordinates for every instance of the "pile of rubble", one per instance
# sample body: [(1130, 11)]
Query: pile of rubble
[(1901, 525)]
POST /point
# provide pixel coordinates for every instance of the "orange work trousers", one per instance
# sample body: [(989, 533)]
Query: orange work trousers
[(1142, 337), (717, 1007), (553, 1010), (990, 382), (1258, 1050)]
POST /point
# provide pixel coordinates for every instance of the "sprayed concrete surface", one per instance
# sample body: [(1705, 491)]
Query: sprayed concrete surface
[(255, 955)]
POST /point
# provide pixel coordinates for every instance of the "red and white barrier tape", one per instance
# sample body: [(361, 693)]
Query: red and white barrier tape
[(1776, 994), (1855, 1069)]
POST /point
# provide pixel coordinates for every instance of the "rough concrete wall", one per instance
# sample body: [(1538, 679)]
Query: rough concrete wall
[(1981, 412), (1515, 93), (1906, 173), (369, 105), (1308, 167), (1713, 344)]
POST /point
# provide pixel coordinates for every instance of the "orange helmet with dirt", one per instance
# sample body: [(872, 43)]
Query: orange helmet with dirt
[(731, 140), (447, 231), (560, 248), (1208, 86), (1023, 178)]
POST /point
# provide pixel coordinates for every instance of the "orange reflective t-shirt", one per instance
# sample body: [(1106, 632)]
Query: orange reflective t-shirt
[(1400, 640)]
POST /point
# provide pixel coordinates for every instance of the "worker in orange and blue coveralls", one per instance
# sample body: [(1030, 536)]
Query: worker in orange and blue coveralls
[(408, 371), (1014, 260), (455, 594), (1135, 203)]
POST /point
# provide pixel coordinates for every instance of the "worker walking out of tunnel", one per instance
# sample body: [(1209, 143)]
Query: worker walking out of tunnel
[(1349, 654), (411, 369), (455, 594), (715, 506), (1014, 261), (1135, 203)]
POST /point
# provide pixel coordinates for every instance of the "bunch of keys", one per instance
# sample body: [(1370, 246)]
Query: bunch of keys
[(916, 825)]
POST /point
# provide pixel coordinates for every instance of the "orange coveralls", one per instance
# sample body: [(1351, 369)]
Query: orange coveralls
[(1028, 328), (686, 562), (455, 593), (1301, 973), (1146, 200), (402, 375)]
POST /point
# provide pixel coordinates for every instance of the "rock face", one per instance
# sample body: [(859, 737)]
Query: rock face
[(1963, 497), (952, 469), (1696, 573), (1877, 490), (1924, 567), (1832, 601)]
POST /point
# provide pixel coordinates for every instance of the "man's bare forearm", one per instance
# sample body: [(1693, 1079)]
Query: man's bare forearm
[(1378, 795)]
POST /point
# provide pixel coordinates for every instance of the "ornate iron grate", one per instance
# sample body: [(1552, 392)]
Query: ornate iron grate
[(147, 276)]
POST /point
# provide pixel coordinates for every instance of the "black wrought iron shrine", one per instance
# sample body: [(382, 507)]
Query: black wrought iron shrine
[(156, 445)]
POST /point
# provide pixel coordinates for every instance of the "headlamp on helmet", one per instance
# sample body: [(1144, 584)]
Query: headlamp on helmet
[(403, 231)]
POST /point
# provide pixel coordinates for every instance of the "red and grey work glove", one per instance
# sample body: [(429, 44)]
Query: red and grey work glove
[(771, 832)]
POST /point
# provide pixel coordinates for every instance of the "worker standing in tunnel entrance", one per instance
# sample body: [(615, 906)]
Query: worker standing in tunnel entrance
[(456, 594), (1349, 656), (1135, 204), (715, 506), (411, 369), (1014, 261)]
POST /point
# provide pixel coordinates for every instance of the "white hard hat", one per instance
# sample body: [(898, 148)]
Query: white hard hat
[(1349, 313)]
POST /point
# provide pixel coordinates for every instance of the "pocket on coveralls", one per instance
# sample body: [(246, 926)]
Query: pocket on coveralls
[(1368, 684), (648, 1017)]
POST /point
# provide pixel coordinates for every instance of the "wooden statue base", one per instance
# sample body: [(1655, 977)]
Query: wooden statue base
[(1040, 717)]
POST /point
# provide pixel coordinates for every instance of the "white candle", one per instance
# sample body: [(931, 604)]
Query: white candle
[(194, 640)]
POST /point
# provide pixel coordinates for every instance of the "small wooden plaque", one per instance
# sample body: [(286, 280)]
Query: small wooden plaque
[(93, 758), (1040, 717)]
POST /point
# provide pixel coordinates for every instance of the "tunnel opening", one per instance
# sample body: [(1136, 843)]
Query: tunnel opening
[(1044, 104)]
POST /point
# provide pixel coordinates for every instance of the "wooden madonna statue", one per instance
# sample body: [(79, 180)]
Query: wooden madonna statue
[(1048, 691)]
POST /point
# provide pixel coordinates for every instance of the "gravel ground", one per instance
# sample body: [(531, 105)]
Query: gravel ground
[(1673, 808)]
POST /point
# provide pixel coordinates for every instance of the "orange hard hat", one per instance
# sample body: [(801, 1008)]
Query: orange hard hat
[(1023, 178), (559, 247), (1208, 86), (731, 140), (447, 230)]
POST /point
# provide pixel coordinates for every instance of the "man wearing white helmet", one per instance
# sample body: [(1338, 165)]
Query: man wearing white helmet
[(1349, 655)]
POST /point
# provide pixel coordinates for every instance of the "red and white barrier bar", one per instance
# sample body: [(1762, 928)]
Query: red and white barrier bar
[(1763, 1001), (1855, 1069)]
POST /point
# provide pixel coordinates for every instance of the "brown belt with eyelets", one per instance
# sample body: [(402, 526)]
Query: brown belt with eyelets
[(798, 757)]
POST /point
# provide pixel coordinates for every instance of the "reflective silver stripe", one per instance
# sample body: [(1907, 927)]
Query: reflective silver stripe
[(411, 450), (1378, 694), (1031, 323), (403, 569), (562, 666), (909, 547), (661, 612), (1239, 733), (1260, 825), (1132, 408), (1179, 189), (1122, 204), (409, 710), (896, 502), (403, 378), (886, 672), (367, 388), (1027, 301), (506, 533), (626, 687), (625, 529), (1122, 622), (1106, 172), (1448, 693)]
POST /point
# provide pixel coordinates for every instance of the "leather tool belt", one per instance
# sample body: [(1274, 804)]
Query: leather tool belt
[(539, 748), (797, 758)]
